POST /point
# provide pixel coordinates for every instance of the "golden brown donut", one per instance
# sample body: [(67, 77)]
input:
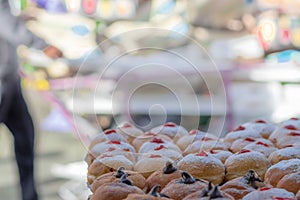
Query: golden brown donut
[(240, 163), (151, 163), (116, 191), (129, 131), (171, 130), (107, 163), (179, 188), (164, 176), (284, 167), (284, 154), (203, 166), (269, 193), (194, 135), (208, 194), (114, 177), (290, 182), (152, 195), (241, 186)]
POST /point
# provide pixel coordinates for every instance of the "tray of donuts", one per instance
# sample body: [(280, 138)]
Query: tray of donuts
[(256, 160)]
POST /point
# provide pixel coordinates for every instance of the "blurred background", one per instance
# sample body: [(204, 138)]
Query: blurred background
[(209, 64)]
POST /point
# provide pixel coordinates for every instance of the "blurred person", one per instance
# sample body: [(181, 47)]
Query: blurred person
[(13, 109)]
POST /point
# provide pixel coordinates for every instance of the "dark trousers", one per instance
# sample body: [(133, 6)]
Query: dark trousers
[(14, 114)]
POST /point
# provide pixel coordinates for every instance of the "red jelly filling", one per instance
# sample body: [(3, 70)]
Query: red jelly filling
[(107, 132), (127, 125), (260, 121), (290, 127), (250, 139), (160, 147), (263, 144), (193, 132), (202, 153), (294, 134), (264, 189), (206, 139), (114, 142), (244, 151), (170, 124), (155, 156), (239, 128), (157, 140)]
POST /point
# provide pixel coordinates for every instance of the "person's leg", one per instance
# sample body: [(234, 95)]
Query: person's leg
[(19, 122)]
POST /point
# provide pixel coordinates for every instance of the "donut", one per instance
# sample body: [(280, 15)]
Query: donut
[(220, 154), (171, 130), (107, 146), (295, 121), (261, 147), (269, 193), (151, 163), (290, 182), (264, 128), (240, 163), (241, 186), (116, 191), (239, 144), (107, 163), (129, 131), (193, 136), (284, 154), (289, 138), (157, 142), (205, 144), (164, 152), (203, 166), (112, 134), (163, 177), (178, 189), (279, 170), (281, 131), (114, 177), (147, 136), (97, 138)]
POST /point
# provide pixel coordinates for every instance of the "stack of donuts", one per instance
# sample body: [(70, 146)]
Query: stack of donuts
[(256, 160)]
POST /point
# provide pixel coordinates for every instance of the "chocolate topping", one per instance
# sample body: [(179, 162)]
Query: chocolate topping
[(187, 178), (125, 180), (169, 168), (154, 192), (215, 193), (206, 191), (251, 178), (120, 172)]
